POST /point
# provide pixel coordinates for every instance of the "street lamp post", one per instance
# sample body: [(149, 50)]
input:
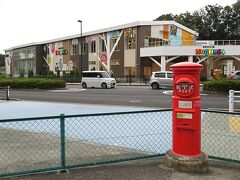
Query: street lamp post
[(81, 60)]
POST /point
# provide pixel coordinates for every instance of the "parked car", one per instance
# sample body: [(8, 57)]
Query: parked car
[(163, 79), (98, 79), (234, 75)]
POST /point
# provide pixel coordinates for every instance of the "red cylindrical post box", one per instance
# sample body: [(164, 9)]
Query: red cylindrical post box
[(186, 107), (186, 154)]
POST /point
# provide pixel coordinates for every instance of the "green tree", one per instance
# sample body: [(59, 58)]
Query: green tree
[(211, 22), (236, 7), (2, 60), (165, 17), (236, 20), (231, 23)]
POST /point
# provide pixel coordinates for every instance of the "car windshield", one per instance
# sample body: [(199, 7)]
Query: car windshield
[(105, 75)]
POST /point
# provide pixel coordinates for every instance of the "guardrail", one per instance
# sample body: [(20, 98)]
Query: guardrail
[(6, 92), (232, 99)]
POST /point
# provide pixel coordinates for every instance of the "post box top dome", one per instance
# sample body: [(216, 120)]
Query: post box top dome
[(187, 66)]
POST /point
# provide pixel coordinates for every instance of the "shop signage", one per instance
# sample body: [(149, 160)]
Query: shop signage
[(204, 43), (61, 52), (210, 52)]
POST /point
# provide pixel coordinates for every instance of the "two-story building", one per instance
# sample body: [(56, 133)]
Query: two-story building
[(136, 49)]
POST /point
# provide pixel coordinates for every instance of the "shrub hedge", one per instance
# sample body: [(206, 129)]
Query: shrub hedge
[(222, 85), (32, 83)]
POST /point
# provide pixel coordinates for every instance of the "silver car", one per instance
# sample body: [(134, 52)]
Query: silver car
[(163, 79)]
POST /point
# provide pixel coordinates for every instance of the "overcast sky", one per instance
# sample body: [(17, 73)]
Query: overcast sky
[(26, 21)]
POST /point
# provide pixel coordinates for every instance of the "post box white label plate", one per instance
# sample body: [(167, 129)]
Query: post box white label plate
[(184, 115), (185, 104)]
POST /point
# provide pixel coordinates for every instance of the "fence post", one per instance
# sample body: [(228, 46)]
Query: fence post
[(7, 93), (62, 135), (231, 100)]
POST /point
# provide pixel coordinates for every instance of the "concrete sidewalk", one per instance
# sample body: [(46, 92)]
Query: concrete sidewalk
[(150, 169)]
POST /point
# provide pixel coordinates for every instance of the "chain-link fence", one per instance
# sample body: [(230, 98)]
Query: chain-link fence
[(32, 145), (221, 135)]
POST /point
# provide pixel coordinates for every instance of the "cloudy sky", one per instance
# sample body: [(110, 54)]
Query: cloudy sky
[(26, 21)]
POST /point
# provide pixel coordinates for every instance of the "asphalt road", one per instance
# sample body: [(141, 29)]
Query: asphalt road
[(138, 96)]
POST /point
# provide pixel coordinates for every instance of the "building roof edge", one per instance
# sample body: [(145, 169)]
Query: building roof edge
[(113, 28)]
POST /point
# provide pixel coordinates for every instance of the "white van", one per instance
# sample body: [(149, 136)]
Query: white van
[(99, 79)]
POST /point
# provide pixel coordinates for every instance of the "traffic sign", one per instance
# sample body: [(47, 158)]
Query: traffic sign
[(103, 57)]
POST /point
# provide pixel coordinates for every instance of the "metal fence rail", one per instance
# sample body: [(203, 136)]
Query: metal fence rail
[(233, 98), (31, 145)]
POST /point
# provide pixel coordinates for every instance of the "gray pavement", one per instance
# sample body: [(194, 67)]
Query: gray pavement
[(44, 152), (150, 169)]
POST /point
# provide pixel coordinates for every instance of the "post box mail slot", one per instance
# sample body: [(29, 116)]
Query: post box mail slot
[(185, 119)]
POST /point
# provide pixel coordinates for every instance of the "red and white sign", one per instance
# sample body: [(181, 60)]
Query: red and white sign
[(103, 57), (88, 39)]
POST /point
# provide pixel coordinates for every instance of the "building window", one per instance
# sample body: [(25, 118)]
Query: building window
[(150, 41), (74, 49), (92, 62), (93, 47), (146, 41), (113, 42), (115, 62), (16, 55), (131, 43), (30, 53), (84, 48), (130, 38), (29, 65), (103, 46)]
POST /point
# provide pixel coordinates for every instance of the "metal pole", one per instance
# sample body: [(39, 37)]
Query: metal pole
[(8, 93), (231, 100), (62, 135), (81, 44)]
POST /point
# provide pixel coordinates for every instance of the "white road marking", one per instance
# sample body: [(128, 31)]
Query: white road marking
[(135, 101), (168, 92), (68, 90)]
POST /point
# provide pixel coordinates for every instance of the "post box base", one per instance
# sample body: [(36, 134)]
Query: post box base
[(187, 164)]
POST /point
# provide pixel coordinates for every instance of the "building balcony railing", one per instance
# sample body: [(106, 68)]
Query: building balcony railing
[(192, 43)]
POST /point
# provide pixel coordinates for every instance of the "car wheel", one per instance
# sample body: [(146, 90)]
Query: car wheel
[(84, 85), (155, 86), (104, 85)]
